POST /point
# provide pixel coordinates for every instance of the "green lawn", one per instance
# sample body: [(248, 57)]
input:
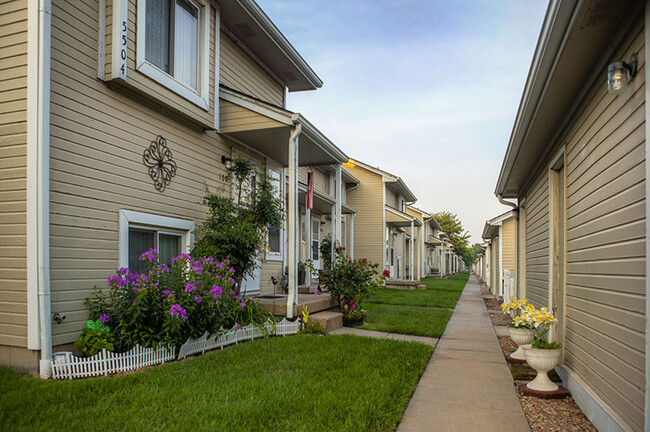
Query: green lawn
[(300, 383), (426, 298), (412, 320), (415, 312)]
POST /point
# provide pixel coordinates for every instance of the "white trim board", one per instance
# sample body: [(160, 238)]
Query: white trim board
[(128, 217)]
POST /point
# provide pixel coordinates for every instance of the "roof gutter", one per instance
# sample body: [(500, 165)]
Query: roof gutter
[(508, 203), (274, 34), (559, 17)]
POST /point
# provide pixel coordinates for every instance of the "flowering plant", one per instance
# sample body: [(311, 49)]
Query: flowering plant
[(386, 273), (543, 320), (350, 282), (171, 303)]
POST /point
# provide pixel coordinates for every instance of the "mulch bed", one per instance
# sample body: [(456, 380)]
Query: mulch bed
[(543, 415)]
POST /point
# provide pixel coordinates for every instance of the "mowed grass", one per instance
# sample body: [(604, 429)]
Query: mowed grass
[(415, 312), (298, 383), (426, 298), (410, 320)]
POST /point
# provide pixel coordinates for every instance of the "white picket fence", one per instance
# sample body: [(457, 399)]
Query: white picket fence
[(65, 365), (68, 366)]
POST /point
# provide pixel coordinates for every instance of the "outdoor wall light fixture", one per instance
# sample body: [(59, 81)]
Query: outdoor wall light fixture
[(619, 74), (225, 159)]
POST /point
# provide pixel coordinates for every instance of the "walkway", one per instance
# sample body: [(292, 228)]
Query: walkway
[(467, 384)]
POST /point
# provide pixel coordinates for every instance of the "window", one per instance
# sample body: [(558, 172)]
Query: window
[(169, 245), (173, 46), (274, 249), (140, 232)]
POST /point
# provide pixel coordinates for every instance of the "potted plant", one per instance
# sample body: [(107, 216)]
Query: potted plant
[(522, 330), (543, 355), (302, 272)]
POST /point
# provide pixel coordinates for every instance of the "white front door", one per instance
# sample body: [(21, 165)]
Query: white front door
[(392, 255), (252, 284)]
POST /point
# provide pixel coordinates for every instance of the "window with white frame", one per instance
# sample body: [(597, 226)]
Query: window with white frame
[(173, 45), (140, 232), (274, 249)]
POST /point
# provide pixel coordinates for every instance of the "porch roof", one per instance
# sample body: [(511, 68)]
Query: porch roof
[(395, 218), (266, 128), (322, 202)]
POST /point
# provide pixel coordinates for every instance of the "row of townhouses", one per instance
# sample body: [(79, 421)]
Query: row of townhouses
[(118, 116), (576, 240)]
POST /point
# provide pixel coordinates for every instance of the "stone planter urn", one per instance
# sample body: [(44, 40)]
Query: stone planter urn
[(542, 360), (521, 336)]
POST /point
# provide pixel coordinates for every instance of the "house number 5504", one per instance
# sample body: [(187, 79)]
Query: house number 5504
[(123, 40)]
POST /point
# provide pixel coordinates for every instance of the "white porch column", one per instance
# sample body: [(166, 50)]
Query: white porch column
[(420, 253), (339, 199), (352, 235), (293, 220), (333, 232), (411, 255), (308, 242)]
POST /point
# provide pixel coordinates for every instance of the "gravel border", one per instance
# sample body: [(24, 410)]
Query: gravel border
[(543, 415)]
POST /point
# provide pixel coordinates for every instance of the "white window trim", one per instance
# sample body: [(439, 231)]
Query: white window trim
[(276, 256), (200, 98), (134, 218)]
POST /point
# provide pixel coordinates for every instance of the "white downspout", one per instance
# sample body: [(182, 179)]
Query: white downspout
[(38, 212), (411, 258), (500, 258), (292, 217), (647, 222)]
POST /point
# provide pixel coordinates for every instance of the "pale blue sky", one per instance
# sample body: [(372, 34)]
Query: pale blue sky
[(425, 89)]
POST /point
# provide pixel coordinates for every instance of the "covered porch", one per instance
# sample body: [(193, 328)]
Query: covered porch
[(289, 140), (401, 267)]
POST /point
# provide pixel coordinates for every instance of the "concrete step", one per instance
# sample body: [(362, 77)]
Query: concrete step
[(330, 320), (402, 284), (314, 303)]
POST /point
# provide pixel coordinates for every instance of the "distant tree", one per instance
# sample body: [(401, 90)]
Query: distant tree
[(458, 236)]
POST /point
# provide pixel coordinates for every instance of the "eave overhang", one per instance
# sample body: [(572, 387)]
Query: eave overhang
[(253, 28), (575, 41)]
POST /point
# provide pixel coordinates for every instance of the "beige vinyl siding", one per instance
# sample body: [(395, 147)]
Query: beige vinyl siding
[(537, 241), (367, 199), (234, 118), (508, 243), (391, 199), (97, 140), (239, 71), (13, 174), (321, 179), (605, 290), (496, 270)]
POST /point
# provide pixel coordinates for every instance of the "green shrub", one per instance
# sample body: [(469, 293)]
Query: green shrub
[(94, 338)]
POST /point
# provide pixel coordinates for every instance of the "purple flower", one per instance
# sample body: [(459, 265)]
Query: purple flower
[(104, 318), (238, 326), (177, 310), (216, 291), (190, 287), (181, 257), (242, 304), (168, 293), (231, 270), (151, 255), (198, 299), (232, 280)]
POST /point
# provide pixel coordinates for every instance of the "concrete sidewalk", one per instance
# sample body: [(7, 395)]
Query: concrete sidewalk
[(467, 384)]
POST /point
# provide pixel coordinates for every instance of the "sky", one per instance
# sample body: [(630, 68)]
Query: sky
[(427, 90)]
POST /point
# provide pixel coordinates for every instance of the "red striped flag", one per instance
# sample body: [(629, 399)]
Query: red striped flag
[(310, 189)]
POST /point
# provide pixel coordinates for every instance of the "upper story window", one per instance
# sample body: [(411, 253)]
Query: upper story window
[(172, 38), (173, 47)]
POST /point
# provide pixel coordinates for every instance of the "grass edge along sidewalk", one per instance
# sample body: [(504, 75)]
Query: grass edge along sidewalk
[(415, 312), (302, 383)]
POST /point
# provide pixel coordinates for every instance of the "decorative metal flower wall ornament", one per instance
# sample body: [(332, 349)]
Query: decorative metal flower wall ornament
[(158, 158)]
